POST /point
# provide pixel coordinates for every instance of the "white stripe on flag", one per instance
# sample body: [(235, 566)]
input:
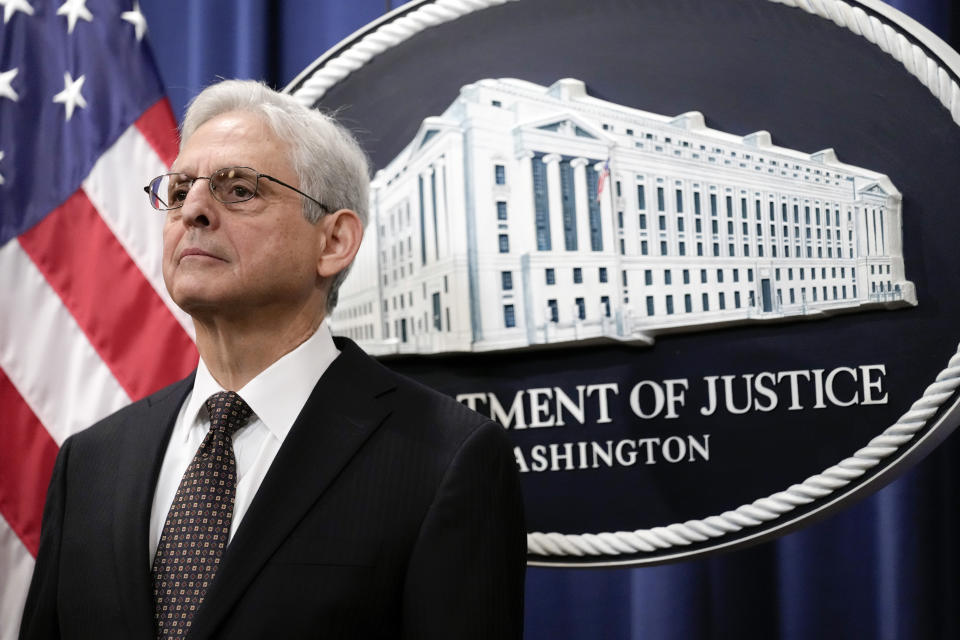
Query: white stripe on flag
[(45, 354), (114, 186), (17, 566)]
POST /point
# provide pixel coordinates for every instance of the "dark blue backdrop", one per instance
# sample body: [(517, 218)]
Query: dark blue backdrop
[(886, 567)]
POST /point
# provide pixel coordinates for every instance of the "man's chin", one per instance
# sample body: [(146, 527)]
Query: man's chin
[(200, 303)]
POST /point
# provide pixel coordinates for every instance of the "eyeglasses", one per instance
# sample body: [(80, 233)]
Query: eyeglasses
[(229, 186)]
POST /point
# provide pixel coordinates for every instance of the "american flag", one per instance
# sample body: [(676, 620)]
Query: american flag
[(86, 324), (602, 179)]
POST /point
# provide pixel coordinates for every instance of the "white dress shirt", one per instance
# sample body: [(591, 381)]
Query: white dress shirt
[(276, 395)]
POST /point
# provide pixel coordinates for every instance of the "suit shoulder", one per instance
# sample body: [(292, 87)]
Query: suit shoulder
[(424, 398), (440, 417)]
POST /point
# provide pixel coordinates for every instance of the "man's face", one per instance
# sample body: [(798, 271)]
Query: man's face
[(254, 256)]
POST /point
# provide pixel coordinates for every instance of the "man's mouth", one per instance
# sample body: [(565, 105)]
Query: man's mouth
[(200, 253)]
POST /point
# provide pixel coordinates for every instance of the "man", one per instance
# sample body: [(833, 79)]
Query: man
[(292, 487)]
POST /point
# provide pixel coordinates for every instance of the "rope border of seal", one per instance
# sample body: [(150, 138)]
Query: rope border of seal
[(681, 534)]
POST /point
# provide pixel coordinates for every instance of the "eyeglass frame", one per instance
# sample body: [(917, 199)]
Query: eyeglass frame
[(256, 190)]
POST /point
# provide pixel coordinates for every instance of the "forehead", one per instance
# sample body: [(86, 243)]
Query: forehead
[(235, 138)]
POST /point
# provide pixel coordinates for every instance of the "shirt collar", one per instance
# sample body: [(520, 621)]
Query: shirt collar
[(277, 394)]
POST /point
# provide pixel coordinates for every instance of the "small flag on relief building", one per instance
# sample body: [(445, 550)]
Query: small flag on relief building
[(86, 324), (602, 180)]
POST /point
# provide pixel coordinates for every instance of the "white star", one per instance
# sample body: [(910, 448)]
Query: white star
[(1, 175), (10, 7), (6, 91), (71, 97), (74, 9), (136, 19)]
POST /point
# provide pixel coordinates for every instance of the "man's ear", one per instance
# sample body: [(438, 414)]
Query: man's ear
[(340, 233)]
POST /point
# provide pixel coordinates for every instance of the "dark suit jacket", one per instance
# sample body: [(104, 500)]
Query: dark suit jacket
[(390, 511)]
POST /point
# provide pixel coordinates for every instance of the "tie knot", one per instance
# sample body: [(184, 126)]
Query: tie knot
[(228, 411)]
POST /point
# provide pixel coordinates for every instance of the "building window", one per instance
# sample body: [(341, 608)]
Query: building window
[(423, 227), (623, 277), (663, 247), (605, 303), (596, 230), (581, 309), (437, 322), (721, 301), (643, 221), (706, 302), (500, 174), (569, 207), (551, 276), (603, 274), (641, 198), (687, 303), (667, 277), (433, 209), (669, 301), (504, 243), (509, 319), (719, 275), (649, 305), (554, 313), (686, 276), (501, 210), (541, 205), (682, 248), (577, 275), (736, 299), (506, 280), (644, 248), (660, 203), (648, 277), (679, 201)]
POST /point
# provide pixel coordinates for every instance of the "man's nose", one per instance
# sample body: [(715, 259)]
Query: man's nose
[(199, 207)]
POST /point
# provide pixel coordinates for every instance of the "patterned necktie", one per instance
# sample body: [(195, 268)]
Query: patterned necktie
[(198, 523)]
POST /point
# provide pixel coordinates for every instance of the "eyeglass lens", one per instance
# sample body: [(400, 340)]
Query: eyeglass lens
[(230, 186)]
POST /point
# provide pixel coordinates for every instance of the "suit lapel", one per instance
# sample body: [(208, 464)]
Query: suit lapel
[(342, 412), (141, 449)]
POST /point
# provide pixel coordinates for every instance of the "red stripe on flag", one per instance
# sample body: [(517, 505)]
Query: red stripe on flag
[(159, 127), (125, 320), (27, 454)]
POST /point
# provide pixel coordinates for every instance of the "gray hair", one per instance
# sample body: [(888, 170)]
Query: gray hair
[(326, 157)]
